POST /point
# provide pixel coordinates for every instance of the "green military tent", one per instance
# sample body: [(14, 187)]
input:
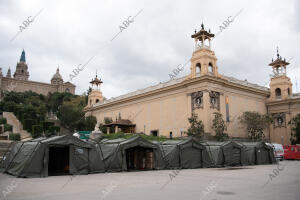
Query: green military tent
[(47, 156), (258, 153), (96, 159), (67, 154), (185, 154), (135, 153), (229, 153)]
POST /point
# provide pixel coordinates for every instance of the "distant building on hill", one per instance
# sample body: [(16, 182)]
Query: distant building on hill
[(20, 81)]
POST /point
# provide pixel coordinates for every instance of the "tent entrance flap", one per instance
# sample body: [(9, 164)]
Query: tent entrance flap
[(58, 160), (139, 158), (236, 157)]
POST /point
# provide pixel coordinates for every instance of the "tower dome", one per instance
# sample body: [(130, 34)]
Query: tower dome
[(57, 78)]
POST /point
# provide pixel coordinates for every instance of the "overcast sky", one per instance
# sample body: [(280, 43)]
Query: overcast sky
[(69, 33)]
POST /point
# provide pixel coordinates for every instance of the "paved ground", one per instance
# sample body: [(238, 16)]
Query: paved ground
[(276, 182)]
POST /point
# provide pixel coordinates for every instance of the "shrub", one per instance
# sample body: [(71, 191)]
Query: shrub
[(255, 123), (90, 123), (196, 126), (37, 131), (47, 125), (295, 126), (8, 127), (15, 136), (112, 136), (53, 130), (3, 121), (219, 127), (28, 123)]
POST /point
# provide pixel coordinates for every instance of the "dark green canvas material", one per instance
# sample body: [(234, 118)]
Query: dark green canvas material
[(31, 158)]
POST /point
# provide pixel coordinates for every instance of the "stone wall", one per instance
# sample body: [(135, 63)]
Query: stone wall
[(10, 84)]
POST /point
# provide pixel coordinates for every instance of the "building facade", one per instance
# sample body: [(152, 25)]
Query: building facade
[(164, 109), (20, 81)]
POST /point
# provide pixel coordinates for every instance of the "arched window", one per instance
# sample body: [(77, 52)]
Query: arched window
[(289, 92), (198, 69), (97, 100), (210, 68), (171, 135), (278, 93), (91, 102), (67, 90)]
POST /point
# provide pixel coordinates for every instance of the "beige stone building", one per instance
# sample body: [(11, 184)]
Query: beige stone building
[(20, 83), (164, 109)]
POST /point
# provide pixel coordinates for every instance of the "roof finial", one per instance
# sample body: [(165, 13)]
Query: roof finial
[(277, 52), (202, 26), (96, 73), (195, 30), (23, 56)]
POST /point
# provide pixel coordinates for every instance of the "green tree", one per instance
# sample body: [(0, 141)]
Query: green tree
[(69, 116), (15, 136), (255, 123), (295, 126), (196, 126), (219, 127), (90, 123), (37, 131)]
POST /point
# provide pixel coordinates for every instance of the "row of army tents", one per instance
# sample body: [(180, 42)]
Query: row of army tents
[(67, 154)]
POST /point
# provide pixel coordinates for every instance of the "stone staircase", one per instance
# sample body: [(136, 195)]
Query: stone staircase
[(17, 126)]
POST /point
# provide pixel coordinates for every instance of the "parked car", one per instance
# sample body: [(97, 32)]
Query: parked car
[(292, 152), (279, 151)]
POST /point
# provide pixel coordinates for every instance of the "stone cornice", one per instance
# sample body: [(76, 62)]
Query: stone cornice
[(283, 102), (181, 85)]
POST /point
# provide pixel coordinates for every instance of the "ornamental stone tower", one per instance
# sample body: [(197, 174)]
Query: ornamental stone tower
[(203, 61), (8, 75), (95, 95), (22, 69), (280, 85)]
